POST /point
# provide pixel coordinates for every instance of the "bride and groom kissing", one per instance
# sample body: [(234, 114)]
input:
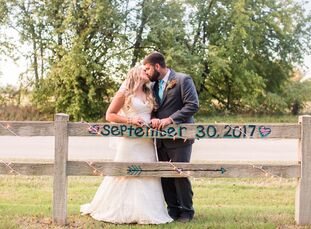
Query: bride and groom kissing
[(170, 98)]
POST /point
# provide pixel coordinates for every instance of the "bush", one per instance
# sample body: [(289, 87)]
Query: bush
[(18, 113)]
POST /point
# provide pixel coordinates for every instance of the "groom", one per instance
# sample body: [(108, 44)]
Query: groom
[(177, 103)]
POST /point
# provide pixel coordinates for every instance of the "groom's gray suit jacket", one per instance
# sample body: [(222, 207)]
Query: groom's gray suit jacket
[(179, 103)]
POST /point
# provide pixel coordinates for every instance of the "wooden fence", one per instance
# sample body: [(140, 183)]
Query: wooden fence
[(61, 128)]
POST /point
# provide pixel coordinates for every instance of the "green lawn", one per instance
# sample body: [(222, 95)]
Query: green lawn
[(25, 202)]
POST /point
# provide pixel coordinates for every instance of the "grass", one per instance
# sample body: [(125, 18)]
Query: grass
[(25, 202)]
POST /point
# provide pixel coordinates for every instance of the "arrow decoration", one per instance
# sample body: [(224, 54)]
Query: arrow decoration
[(221, 170), (137, 170), (134, 170)]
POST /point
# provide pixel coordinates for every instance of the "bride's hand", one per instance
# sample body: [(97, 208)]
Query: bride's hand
[(137, 121)]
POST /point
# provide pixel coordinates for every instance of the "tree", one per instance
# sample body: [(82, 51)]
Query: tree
[(3, 19), (240, 53), (296, 94), (251, 49), (77, 83), (6, 46)]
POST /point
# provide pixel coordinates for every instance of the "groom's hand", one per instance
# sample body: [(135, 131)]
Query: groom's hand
[(164, 122), (155, 122)]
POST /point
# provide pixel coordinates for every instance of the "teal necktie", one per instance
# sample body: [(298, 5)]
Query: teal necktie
[(161, 89)]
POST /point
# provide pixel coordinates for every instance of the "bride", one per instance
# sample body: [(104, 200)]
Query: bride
[(125, 200)]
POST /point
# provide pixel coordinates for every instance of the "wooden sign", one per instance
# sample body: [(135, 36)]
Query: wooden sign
[(198, 131)]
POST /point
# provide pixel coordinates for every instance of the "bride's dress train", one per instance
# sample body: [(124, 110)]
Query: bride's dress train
[(131, 199)]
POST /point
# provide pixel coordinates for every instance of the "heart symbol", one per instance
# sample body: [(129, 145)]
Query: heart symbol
[(94, 129), (264, 131)]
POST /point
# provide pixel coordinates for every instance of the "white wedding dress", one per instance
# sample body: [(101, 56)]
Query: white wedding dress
[(124, 200)]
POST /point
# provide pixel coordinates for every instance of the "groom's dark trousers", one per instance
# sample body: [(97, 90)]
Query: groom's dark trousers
[(177, 191), (180, 102)]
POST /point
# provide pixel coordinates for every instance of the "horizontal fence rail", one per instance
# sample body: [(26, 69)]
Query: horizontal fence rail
[(10, 128), (190, 131), (159, 169)]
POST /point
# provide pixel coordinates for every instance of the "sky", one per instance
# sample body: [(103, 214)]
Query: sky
[(10, 70)]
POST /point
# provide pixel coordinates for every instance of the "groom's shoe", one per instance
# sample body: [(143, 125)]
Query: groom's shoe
[(174, 214), (184, 218)]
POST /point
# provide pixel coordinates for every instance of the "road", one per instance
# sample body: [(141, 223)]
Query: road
[(101, 148)]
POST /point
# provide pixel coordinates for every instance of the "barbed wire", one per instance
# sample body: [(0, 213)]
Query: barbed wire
[(8, 165), (8, 128), (96, 129), (267, 173), (96, 171)]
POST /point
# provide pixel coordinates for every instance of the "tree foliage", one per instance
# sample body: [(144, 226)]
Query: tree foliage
[(252, 47), (240, 53)]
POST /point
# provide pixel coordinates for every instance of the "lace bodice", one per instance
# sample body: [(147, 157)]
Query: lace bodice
[(138, 109)]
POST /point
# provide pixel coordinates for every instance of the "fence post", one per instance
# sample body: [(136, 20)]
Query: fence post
[(303, 191), (60, 167)]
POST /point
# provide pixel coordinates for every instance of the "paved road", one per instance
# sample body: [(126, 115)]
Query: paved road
[(100, 148), (82, 148)]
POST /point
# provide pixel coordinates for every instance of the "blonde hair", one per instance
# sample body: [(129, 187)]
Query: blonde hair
[(133, 81)]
